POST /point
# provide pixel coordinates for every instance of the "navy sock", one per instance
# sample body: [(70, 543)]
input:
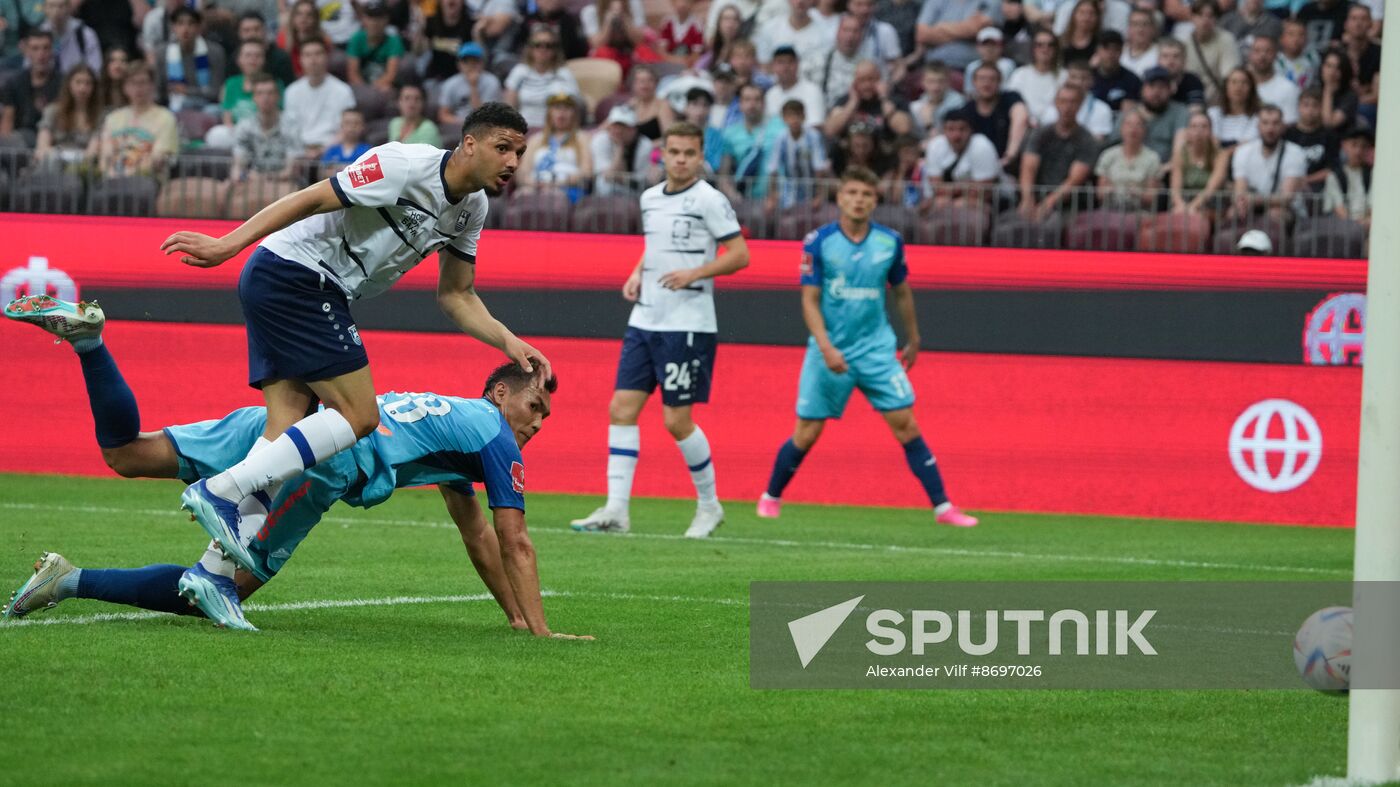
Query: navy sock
[(925, 468), (113, 404), (153, 587), (784, 468)]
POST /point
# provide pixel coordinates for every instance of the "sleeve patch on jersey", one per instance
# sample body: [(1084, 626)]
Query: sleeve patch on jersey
[(805, 267), (365, 172), (517, 477)]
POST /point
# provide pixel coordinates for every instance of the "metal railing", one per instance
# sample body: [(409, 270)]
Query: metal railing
[(1124, 220)]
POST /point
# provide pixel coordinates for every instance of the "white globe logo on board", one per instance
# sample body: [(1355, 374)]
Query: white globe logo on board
[(37, 278), (1275, 428)]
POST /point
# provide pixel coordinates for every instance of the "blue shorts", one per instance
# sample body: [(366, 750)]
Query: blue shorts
[(299, 323), (681, 361), (210, 447), (822, 394)]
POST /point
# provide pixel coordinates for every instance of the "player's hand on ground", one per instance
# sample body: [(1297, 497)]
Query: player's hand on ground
[(679, 280), (632, 288), (561, 635), (835, 360), (197, 249), (909, 354)]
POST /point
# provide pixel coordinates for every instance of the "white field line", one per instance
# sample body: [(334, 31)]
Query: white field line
[(1124, 560), (351, 603)]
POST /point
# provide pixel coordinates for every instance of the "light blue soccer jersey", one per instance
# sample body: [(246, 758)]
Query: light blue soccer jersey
[(853, 277)]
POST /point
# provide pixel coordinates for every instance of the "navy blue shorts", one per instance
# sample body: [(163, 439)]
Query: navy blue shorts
[(299, 323), (681, 361)]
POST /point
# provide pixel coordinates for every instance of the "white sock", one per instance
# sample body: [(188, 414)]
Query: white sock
[(624, 442), (696, 451), (215, 562), (312, 439)]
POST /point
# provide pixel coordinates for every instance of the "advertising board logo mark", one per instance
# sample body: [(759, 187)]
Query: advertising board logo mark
[(1336, 330), (1251, 446), (37, 278)]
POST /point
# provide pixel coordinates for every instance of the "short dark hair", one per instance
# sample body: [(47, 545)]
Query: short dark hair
[(312, 42), (860, 174), (185, 12), (698, 93), (794, 107), (39, 32), (683, 129), (1201, 5), (960, 115), (1360, 132), (515, 377), (493, 115), (246, 15), (1313, 92), (259, 78), (1111, 38), (1078, 64)]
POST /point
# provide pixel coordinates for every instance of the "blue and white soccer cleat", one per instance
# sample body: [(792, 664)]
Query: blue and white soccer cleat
[(220, 519), (216, 597), (41, 590), (64, 319)]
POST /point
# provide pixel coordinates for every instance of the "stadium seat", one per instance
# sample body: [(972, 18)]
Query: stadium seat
[(1179, 233), (795, 223), (612, 214), (1015, 232), (898, 218), (542, 211), (372, 103), (597, 77), (47, 192), (195, 123), (954, 226), (129, 196), (1328, 236), (204, 163), (249, 197), (193, 198), (1103, 230), (1228, 235)]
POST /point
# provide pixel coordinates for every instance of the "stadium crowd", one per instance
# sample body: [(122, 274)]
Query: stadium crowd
[(1031, 114)]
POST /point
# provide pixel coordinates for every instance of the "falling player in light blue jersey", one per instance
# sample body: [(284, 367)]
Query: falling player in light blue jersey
[(423, 439), (846, 267)]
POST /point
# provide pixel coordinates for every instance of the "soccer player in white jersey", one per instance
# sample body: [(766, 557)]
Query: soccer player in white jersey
[(343, 239), (670, 337)]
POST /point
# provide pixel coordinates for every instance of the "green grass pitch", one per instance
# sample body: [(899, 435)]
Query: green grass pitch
[(412, 680)]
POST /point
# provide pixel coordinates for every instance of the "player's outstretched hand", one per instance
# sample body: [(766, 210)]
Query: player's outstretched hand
[(197, 249), (632, 288), (560, 635)]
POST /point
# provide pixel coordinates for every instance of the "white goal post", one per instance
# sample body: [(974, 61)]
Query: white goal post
[(1373, 730)]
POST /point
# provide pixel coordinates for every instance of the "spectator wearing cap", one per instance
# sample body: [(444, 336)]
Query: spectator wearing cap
[(798, 158), (190, 71), (1268, 171), (1186, 86), (315, 101), (373, 52), (554, 16), (1129, 173), (1255, 243), (469, 88), (1114, 84), (1000, 116), (795, 29), (1210, 51), (74, 42), (1058, 158), (558, 156), (1250, 20), (1092, 114), (698, 104), (23, 100), (411, 126), (960, 165), (252, 27), (869, 103), (620, 154), (789, 85), (1296, 60), (927, 112), (746, 148), (1321, 145), (1036, 81), (1236, 115), (444, 33), (1272, 86), (948, 28), (140, 138), (991, 46), (264, 145), (837, 71), (542, 74), (1140, 46), (1347, 192), (1164, 115)]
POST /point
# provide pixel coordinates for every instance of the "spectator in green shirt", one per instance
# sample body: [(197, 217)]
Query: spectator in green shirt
[(373, 51), (410, 126), (237, 100)]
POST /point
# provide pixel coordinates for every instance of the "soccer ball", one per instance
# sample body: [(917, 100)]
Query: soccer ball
[(1322, 649)]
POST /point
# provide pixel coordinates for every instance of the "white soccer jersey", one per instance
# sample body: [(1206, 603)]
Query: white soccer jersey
[(682, 231), (396, 213)]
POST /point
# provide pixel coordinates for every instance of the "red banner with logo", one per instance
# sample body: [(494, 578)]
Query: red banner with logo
[(1211, 441), (105, 251)]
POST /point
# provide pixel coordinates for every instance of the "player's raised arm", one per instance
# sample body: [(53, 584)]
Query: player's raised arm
[(518, 555), (484, 550), (457, 296), (203, 251)]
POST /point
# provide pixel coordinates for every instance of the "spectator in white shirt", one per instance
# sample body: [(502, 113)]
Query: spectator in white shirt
[(1140, 51), (314, 102), (959, 165), (1268, 171), (1037, 80), (1273, 87), (1236, 116), (530, 84), (790, 86), (797, 30), (1094, 113)]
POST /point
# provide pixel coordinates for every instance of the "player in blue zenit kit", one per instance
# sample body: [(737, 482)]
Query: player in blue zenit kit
[(846, 267), (424, 439)]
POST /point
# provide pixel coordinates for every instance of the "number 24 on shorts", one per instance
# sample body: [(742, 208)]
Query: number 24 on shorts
[(677, 377)]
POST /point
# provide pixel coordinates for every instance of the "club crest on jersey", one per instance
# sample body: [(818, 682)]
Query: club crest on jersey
[(461, 221), (365, 172), (517, 477)]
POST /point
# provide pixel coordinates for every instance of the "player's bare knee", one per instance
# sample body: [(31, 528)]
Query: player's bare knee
[(679, 424), (622, 412), (362, 419)]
